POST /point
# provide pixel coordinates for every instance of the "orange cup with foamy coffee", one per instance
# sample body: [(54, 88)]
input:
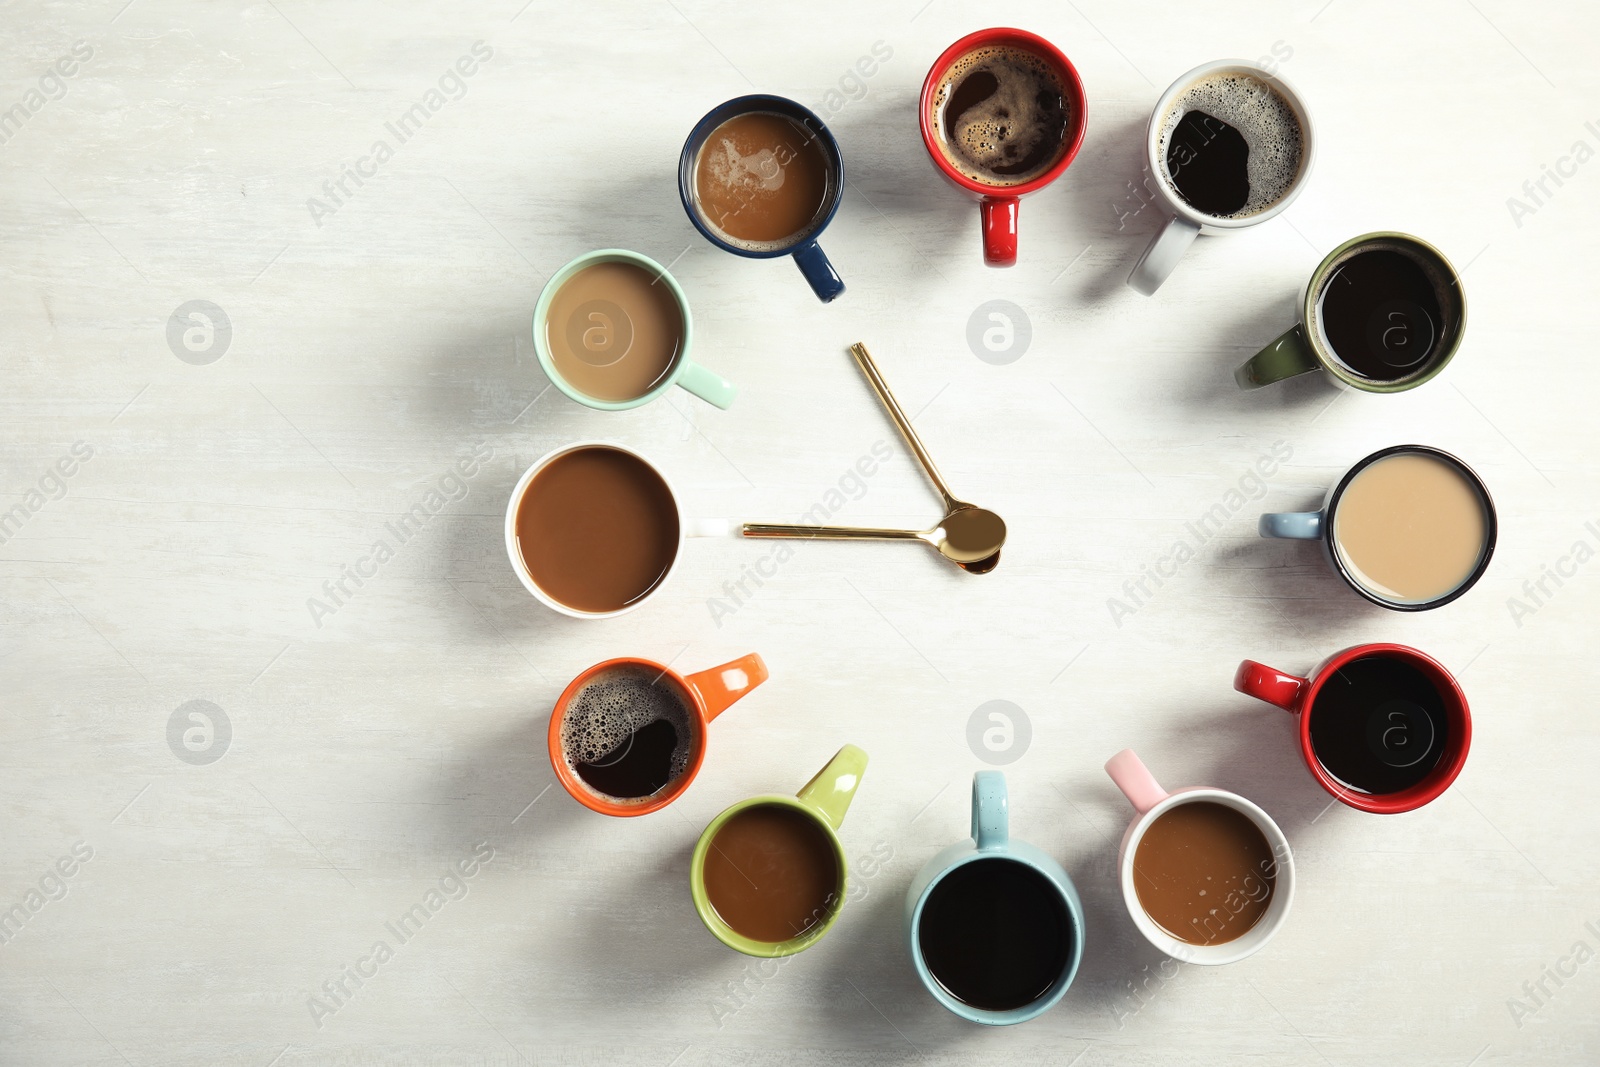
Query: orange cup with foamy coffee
[(1409, 527), (627, 736)]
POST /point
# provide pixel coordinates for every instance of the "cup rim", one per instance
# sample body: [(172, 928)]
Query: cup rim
[(743, 105), (727, 934), (547, 295), (1444, 773), (1065, 890), (1252, 940), (1040, 47), (1491, 522), (1317, 284), (575, 786), (1153, 163), (520, 568)]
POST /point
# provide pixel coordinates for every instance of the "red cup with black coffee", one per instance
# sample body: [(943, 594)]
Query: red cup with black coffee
[(1002, 115), (1384, 728)]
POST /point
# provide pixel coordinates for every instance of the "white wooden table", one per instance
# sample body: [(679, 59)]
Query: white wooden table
[(381, 337)]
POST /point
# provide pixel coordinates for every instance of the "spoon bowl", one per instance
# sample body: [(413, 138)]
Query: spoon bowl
[(969, 536)]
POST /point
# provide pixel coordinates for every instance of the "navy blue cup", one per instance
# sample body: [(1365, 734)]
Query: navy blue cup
[(807, 255)]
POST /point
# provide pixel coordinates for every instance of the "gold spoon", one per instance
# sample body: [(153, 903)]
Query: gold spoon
[(968, 536), (965, 537)]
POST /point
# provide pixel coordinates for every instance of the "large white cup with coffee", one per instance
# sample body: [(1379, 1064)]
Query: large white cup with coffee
[(594, 529), (1228, 147)]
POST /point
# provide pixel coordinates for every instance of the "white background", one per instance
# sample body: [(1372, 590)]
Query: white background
[(372, 351)]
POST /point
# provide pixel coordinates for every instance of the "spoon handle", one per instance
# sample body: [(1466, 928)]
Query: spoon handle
[(881, 387), (837, 533)]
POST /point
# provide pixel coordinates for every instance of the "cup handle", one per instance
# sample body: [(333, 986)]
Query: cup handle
[(1295, 525), (710, 528), (831, 791), (819, 272), (1135, 780), (1264, 683), (998, 216), (709, 386), (719, 687), (991, 822), (1161, 255), (1289, 355)]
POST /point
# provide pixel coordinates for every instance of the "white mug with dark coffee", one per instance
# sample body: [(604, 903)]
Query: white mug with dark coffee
[(1228, 146)]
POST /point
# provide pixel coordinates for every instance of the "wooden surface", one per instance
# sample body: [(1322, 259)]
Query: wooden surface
[(379, 339)]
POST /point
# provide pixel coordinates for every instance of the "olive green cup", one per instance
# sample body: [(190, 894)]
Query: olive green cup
[(824, 800), (1304, 346)]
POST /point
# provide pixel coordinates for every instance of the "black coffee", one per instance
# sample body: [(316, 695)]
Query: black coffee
[(638, 766), (1379, 725), (1210, 164), (1380, 313), (626, 733), (995, 934), (1232, 145), (1002, 115)]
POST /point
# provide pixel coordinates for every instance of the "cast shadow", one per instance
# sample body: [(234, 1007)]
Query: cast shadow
[(477, 383), (1104, 205), (634, 930), (504, 787), (1211, 385), (1261, 758), (489, 603), (873, 979), (888, 169), (1316, 604), (642, 213), (1115, 956)]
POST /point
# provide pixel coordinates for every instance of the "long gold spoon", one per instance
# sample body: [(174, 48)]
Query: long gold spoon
[(968, 536)]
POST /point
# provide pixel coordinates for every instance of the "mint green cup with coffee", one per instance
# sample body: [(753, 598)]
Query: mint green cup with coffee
[(612, 330), (1383, 313)]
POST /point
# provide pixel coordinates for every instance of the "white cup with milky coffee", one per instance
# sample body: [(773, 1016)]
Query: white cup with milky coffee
[(594, 529), (1207, 876), (1409, 527)]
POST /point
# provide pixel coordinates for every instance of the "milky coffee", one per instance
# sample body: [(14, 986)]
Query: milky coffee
[(614, 330), (1411, 527), (597, 529), (763, 181)]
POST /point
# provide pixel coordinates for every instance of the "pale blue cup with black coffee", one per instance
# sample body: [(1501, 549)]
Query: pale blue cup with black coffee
[(994, 925)]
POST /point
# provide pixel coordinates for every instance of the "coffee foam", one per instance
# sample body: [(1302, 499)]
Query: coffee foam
[(1014, 105), (614, 705), (1268, 123)]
